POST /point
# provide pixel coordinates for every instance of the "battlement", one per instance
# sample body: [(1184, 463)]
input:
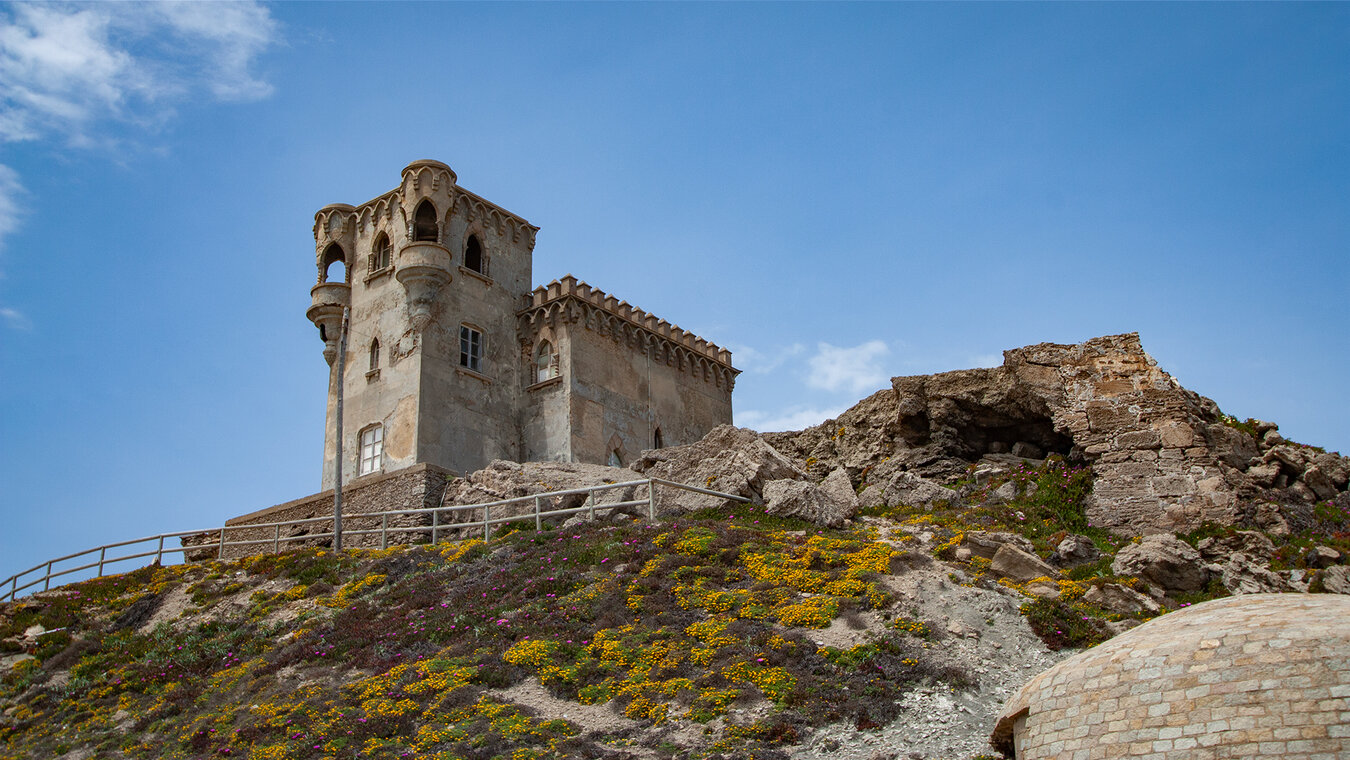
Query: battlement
[(542, 298), (422, 178)]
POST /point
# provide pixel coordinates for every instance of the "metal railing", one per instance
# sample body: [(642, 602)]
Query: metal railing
[(437, 528)]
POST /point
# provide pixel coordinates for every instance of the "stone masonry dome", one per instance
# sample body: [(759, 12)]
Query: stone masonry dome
[(1261, 675)]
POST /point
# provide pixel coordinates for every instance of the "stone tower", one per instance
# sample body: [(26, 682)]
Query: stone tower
[(453, 361)]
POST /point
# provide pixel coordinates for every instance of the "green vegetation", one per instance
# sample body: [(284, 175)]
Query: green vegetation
[(398, 653), (404, 652)]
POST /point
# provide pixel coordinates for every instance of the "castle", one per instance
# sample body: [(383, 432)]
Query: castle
[(453, 361)]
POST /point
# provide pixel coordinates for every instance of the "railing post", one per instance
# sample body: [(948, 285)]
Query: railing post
[(435, 525), (102, 553), (47, 582), (590, 499), (538, 521), (159, 553), (487, 526), (384, 531), (13, 587), (220, 553), (276, 540), (651, 499)]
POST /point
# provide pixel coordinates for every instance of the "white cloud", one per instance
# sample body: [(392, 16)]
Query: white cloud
[(14, 319), (757, 362), (793, 418), (856, 369), (10, 190), (66, 68), (230, 36)]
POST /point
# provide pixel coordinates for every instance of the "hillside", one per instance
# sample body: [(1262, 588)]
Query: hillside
[(899, 572), (718, 632)]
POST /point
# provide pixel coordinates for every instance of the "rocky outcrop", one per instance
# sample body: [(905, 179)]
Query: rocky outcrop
[(1335, 580), (909, 489), (1247, 542), (1075, 550), (1163, 457), (1018, 565), (510, 480), (1120, 599), (1321, 557), (502, 480), (986, 544), (729, 459), (829, 504), (857, 440), (1165, 561), (1243, 574)]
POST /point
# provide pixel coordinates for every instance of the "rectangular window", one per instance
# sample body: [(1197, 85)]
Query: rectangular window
[(470, 348), (372, 449)]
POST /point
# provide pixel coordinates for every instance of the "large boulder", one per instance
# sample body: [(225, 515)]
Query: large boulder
[(509, 480), (1321, 557), (987, 543), (1248, 542), (1163, 560), (909, 489), (829, 504), (1121, 599), (1335, 580), (729, 459), (1244, 574), (1075, 550), (502, 480), (1018, 565)]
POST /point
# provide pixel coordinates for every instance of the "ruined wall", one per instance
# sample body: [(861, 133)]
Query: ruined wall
[(420, 485)]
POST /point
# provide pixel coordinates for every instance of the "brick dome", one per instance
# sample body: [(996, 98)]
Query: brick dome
[(1261, 675)]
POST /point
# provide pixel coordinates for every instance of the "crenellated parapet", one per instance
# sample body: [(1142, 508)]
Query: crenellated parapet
[(393, 210), (571, 301)]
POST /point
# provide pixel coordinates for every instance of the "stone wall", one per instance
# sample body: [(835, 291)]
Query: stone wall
[(1263, 675), (623, 374), (412, 488)]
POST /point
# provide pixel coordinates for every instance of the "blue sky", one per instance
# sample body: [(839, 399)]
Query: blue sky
[(839, 193)]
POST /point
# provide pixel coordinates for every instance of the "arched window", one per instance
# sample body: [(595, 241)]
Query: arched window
[(424, 223), (381, 253), (658, 440), (372, 449), (615, 459), (333, 254), (473, 255), (545, 362), (374, 354)]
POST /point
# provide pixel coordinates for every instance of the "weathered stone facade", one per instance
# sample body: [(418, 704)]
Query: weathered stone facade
[(456, 362), (1264, 675), (624, 379)]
